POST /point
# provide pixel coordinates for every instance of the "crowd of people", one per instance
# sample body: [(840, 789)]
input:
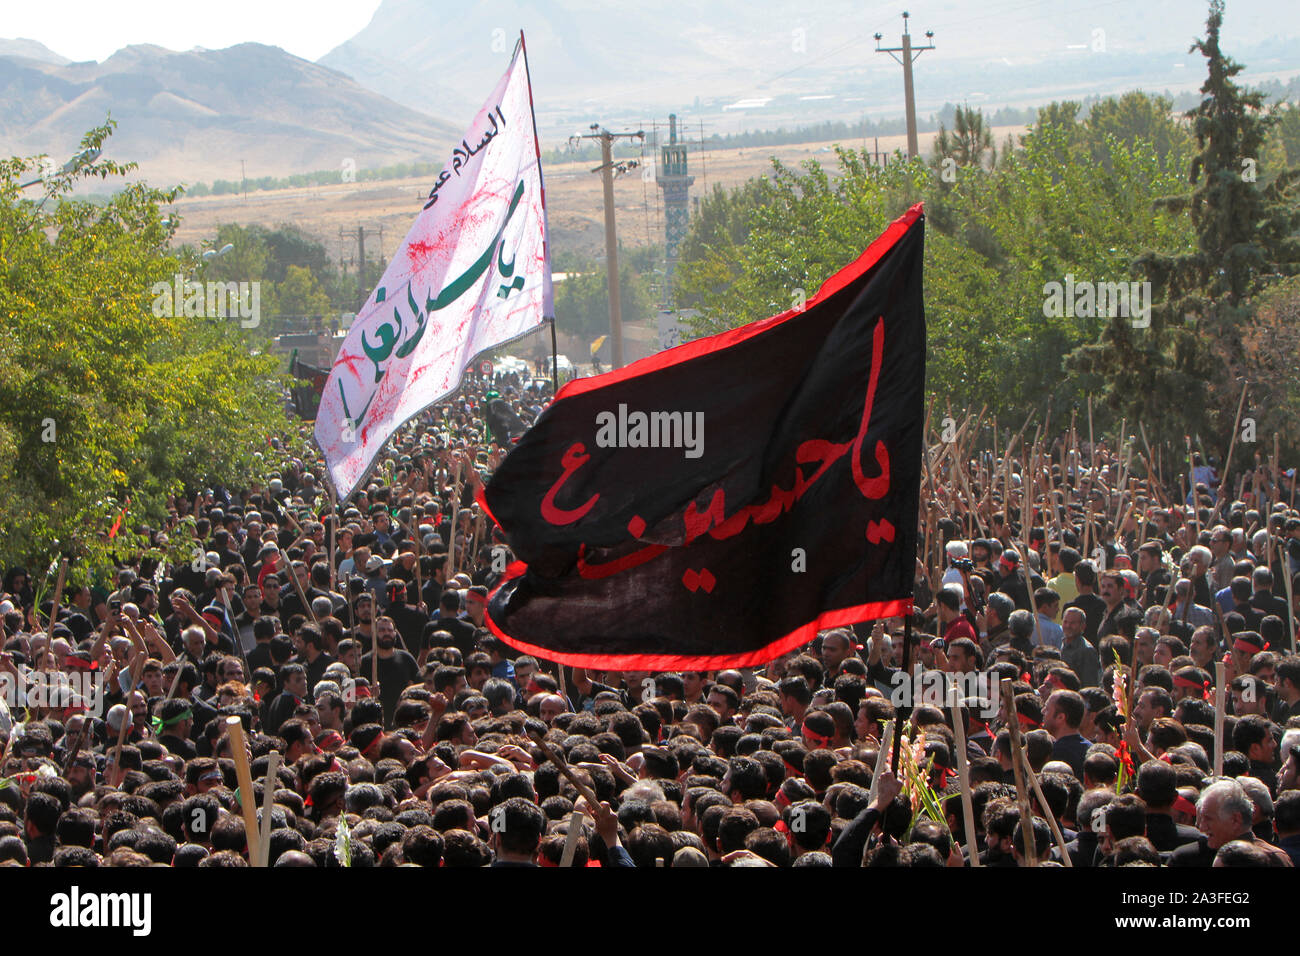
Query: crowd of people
[(351, 642)]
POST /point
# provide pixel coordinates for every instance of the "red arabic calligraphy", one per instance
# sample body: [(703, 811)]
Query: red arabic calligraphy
[(713, 520)]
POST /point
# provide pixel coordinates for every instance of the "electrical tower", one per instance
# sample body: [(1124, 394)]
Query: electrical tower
[(672, 177), (910, 53)]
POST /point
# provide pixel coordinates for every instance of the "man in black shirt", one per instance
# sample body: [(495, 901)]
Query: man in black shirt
[(1093, 607), (313, 656), (396, 668), (461, 631), (1264, 600), (410, 620), (1157, 785), (293, 684), (264, 628)]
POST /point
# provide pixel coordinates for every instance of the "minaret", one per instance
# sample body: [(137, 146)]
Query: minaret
[(673, 179)]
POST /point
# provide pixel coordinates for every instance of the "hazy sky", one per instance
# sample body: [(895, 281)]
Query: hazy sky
[(93, 30)]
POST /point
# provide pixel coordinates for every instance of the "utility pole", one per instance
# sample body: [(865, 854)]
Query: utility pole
[(243, 180), (910, 53), (361, 266), (361, 261), (608, 169)]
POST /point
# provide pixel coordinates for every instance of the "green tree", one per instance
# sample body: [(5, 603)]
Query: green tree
[(1136, 117), (299, 296), (107, 390), (1245, 233), (969, 142), (582, 301)]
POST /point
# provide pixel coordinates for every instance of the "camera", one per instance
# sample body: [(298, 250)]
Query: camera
[(963, 564)]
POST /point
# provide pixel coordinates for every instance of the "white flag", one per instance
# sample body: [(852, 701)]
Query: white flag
[(473, 273)]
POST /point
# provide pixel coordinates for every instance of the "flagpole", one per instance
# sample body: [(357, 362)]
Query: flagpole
[(522, 46), (555, 363)]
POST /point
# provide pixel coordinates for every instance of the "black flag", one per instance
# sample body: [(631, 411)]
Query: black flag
[(306, 395), (715, 505)]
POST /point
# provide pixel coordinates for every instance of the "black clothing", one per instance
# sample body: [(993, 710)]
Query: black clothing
[(179, 746), (1072, 748), (260, 656), (1167, 836), (316, 669), (1094, 609), (848, 849), (281, 709), (462, 634), (395, 674), (1194, 854)]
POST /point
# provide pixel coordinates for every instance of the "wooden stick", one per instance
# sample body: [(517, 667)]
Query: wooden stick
[(571, 839), (455, 517), (586, 792), (58, 597), (171, 691), (234, 632), (297, 585), (1027, 518), (564, 687), (1285, 568), (1047, 813), (334, 520), (268, 800), (85, 719), (137, 667), (882, 760), (1092, 481), (76, 743), (242, 772), (1154, 479), (1277, 484), (1122, 487), (963, 781), (1018, 765), (1220, 675), (1232, 445)]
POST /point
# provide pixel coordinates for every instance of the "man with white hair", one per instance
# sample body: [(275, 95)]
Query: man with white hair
[(1223, 814), (956, 551)]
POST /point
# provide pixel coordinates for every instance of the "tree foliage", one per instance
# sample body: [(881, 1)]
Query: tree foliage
[(101, 399), (1245, 229), (996, 236)]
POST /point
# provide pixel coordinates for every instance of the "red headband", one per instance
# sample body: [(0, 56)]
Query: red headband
[(819, 739), (1027, 721), (1248, 648), (1184, 805), (476, 597)]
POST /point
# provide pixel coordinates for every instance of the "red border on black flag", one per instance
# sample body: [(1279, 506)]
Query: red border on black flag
[(885, 588)]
